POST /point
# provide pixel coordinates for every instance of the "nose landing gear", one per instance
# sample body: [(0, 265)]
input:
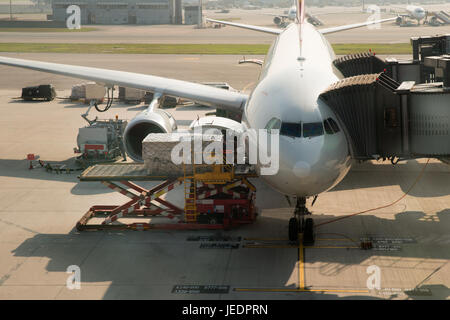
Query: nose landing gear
[(299, 224)]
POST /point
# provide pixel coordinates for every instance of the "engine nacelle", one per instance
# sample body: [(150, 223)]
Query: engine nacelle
[(277, 20), (156, 121), (221, 124)]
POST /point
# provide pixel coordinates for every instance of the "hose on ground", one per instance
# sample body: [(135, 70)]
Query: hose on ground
[(381, 207)]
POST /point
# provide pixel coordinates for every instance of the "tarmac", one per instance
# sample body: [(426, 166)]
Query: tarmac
[(206, 68), (331, 16), (39, 210)]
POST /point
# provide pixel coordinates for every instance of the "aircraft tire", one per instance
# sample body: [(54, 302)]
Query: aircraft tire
[(293, 229), (308, 234)]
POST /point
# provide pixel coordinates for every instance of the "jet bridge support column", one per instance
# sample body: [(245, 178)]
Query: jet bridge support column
[(403, 91)]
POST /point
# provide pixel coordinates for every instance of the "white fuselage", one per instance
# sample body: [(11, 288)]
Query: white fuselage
[(292, 13), (416, 12), (293, 76)]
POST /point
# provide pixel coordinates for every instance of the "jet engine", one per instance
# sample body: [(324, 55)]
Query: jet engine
[(277, 20), (148, 121)]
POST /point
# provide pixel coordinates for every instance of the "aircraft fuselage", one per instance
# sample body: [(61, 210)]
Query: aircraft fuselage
[(294, 74), (416, 12)]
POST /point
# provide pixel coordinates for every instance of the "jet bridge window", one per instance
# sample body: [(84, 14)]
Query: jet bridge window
[(331, 126), (312, 129), (327, 127), (291, 129), (334, 125), (391, 118)]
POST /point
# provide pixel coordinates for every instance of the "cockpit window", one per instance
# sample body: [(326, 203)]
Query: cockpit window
[(331, 126), (291, 129), (273, 123), (312, 129)]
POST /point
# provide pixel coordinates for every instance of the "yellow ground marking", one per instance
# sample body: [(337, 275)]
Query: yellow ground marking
[(301, 266)]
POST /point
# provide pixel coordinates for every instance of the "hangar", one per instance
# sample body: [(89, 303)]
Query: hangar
[(121, 12)]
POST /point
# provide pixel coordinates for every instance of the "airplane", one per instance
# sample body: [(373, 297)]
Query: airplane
[(413, 12), (282, 20), (314, 149), (250, 7)]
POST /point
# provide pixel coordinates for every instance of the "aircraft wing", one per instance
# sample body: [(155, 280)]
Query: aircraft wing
[(202, 94), (403, 9), (353, 26), (330, 13), (276, 15), (323, 31), (248, 26)]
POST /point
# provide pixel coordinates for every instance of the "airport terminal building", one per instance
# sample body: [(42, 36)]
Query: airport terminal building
[(121, 11)]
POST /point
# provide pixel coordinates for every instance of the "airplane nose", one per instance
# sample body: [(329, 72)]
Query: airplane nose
[(301, 169)]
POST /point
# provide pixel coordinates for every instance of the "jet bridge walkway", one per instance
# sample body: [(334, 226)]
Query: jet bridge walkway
[(414, 69), (396, 109), (314, 20), (388, 119), (443, 16)]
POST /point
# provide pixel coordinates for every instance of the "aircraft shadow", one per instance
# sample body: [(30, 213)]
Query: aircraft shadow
[(20, 169), (436, 178), (138, 263), (20, 101), (183, 122), (140, 107), (433, 183), (194, 107)]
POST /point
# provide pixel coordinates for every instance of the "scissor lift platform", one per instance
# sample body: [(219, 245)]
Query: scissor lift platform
[(120, 172), (218, 204), (138, 172)]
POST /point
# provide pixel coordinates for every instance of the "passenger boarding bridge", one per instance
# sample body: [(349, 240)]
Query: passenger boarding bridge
[(396, 109)]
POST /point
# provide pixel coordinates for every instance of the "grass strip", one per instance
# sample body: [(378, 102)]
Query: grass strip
[(37, 30), (237, 49)]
